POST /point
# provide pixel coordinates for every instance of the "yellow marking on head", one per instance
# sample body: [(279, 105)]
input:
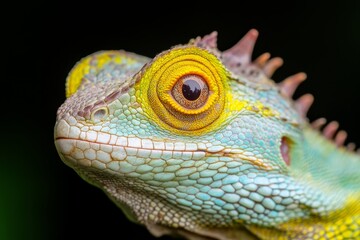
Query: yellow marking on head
[(102, 60), (91, 64), (236, 104), (76, 75), (258, 107), (154, 91)]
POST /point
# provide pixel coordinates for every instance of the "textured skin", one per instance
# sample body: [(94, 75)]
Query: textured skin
[(249, 166)]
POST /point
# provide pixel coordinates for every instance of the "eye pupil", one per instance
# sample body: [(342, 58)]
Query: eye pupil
[(191, 89)]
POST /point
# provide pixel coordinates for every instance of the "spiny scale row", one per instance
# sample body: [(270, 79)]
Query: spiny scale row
[(243, 52)]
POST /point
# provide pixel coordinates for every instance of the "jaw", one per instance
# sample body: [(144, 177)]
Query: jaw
[(142, 205), (82, 157), (153, 185), (139, 201)]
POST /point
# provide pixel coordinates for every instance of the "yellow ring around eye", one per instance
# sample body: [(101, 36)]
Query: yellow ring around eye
[(158, 79)]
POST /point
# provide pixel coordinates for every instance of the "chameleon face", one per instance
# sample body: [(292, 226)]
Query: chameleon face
[(202, 142)]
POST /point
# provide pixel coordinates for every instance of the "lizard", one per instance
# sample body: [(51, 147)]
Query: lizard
[(203, 144)]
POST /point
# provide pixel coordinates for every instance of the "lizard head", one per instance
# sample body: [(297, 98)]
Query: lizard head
[(191, 139)]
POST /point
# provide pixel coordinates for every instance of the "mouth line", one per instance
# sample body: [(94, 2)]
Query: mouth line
[(109, 155), (190, 153), (127, 146)]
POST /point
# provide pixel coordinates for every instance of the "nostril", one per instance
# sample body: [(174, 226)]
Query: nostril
[(99, 114)]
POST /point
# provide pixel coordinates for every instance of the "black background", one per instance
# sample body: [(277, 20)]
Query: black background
[(41, 198)]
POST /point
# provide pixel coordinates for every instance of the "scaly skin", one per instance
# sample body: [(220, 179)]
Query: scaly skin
[(238, 161)]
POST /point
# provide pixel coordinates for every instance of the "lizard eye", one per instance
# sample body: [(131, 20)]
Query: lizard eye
[(184, 89), (191, 91)]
